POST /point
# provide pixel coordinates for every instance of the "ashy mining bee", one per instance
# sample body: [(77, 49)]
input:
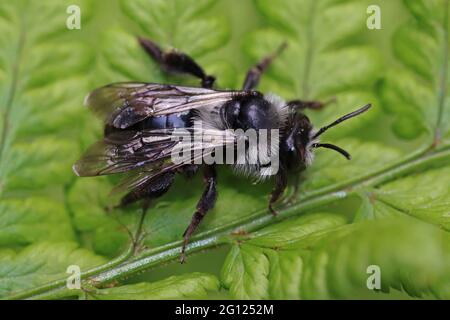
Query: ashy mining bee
[(141, 118)]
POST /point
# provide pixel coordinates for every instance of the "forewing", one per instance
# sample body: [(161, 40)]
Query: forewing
[(124, 104), (148, 153), (197, 149), (123, 151)]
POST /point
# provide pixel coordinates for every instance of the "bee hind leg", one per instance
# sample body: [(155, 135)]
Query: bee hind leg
[(155, 189), (174, 61), (254, 74), (152, 190), (206, 203)]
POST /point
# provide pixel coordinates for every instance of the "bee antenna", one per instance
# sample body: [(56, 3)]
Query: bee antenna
[(343, 118), (333, 147)]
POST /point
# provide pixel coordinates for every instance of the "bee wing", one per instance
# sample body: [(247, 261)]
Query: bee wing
[(148, 153), (123, 151), (124, 104)]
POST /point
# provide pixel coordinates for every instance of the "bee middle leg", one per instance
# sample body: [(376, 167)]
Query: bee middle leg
[(254, 74), (176, 62), (206, 203)]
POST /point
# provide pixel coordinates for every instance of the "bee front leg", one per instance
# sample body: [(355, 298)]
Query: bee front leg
[(312, 104), (280, 186), (254, 74), (206, 203), (176, 62), (296, 187)]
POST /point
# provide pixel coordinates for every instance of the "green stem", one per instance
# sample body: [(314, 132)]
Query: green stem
[(60, 284), (128, 265)]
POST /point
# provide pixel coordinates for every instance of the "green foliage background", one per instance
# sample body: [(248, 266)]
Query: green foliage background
[(390, 206)]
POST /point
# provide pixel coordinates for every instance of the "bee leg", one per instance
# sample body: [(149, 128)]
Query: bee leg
[(176, 62), (205, 204), (280, 186), (254, 74), (314, 105), (140, 235), (152, 190), (296, 184)]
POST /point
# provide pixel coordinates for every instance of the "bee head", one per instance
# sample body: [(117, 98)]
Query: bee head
[(301, 139), (295, 145)]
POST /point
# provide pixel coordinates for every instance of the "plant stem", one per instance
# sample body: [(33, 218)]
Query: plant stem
[(127, 265)]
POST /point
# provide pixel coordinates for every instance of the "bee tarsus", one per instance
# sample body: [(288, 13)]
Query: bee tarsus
[(314, 105)]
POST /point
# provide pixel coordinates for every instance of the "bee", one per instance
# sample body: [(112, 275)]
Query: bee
[(141, 118)]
